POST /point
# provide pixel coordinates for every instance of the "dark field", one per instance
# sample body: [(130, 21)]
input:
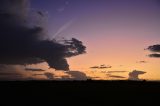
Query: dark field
[(80, 93)]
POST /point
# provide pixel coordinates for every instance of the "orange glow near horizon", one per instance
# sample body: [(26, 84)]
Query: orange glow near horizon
[(120, 58)]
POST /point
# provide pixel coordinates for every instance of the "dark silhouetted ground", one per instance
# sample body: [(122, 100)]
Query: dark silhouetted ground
[(90, 93)]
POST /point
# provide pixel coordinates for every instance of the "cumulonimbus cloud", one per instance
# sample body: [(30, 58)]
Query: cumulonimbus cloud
[(21, 41)]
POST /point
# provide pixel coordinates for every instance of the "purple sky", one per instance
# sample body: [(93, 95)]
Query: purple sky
[(114, 31)]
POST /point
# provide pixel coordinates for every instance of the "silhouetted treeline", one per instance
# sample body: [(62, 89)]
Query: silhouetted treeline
[(80, 92)]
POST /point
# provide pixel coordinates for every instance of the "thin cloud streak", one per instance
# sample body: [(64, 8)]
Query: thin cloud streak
[(63, 28)]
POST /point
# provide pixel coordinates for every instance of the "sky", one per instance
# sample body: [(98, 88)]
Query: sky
[(116, 33)]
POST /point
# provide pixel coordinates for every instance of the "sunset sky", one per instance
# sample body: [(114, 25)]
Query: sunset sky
[(115, 33)]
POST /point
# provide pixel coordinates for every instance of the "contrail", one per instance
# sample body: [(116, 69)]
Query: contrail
[(64, 27)]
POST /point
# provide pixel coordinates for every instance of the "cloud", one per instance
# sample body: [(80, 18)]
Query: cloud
[(103, 66), (41, 13), (95, 77), (50, 76), (116, 71), (155, 49), (141, 61), (10, 73), (95, 67), (64, 27), (77, 75), (34, 69), (134, 75), (116, 76), (65, 77), (22, 43), (30, 78), (154, 55), (37, 74)]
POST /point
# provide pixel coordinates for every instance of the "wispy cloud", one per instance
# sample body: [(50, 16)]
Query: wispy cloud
[(142, 61), (116, 71), (116, 76), (63, 27), (34, 69), (103, 66)]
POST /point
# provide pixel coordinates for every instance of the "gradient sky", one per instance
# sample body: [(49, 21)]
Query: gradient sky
[(115, 32)]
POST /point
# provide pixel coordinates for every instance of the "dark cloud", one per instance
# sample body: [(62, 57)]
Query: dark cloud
[(10, 73), (34, 69), (37, 74), (50, 76), (95, 77), (116, 76), (30, 78), (103, 66), (65, 77), (95, 67), (134, 75), (40, 13), (116, 71), (155, 49), (141, 61), (77, 75), (154, 55), (22, 41)]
